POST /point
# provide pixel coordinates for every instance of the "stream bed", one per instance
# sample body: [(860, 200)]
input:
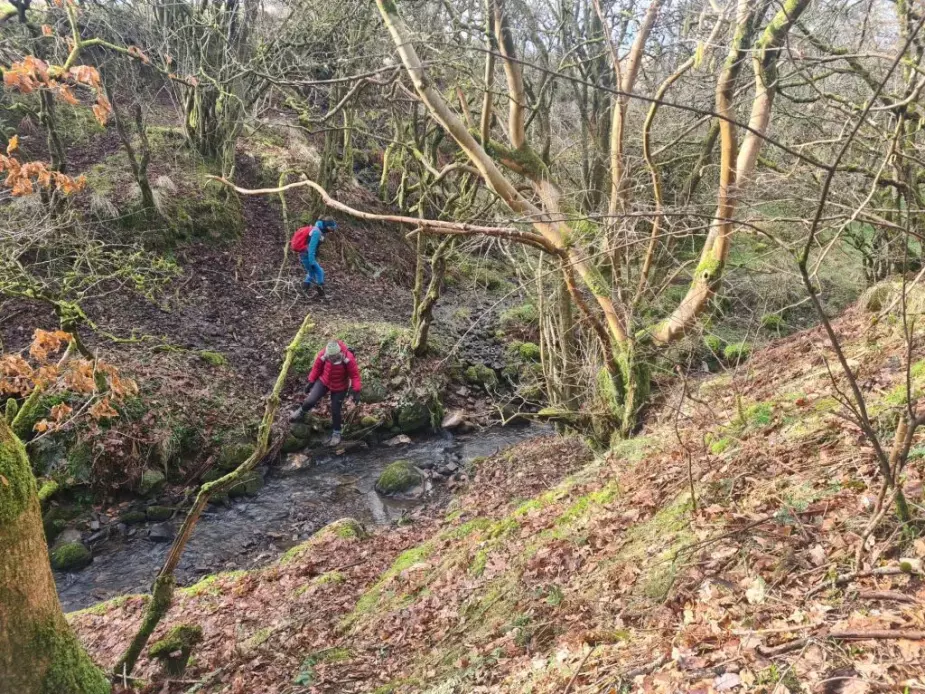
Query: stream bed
[(301, 496)]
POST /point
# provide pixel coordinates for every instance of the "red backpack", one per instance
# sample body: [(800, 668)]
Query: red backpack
[(300, 239)]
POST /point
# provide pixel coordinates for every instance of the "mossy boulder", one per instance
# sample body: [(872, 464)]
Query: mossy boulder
[(520, 316), (232, 455), (412, 417), (175, 648), (876, 298), (479, 374), (53, 527), (398, 477), (133, 517), (293, 444), (529, 351), (346, 528), (737, 352), (374, 391), (152, 482), (301, 431), (249, 484), (70, 556), (158, 513), (213, 358)]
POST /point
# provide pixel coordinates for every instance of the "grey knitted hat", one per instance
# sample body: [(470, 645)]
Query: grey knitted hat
[(332, 351)]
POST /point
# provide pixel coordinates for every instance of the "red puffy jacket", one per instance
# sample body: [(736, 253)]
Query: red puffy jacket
[(337, 377)]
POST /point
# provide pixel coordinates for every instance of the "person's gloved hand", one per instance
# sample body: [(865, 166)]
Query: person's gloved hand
[(355, 396), (308, 388)]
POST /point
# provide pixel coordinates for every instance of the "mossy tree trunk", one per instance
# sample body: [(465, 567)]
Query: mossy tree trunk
[(423, 313), (38, 652)]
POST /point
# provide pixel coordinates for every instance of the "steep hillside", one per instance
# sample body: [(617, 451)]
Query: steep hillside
[(559, 570)]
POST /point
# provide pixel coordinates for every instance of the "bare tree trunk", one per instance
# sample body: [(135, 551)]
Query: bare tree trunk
[(736, 166), (138, 164), (39, 653)]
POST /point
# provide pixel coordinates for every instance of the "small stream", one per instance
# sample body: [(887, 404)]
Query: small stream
[(301, 496)]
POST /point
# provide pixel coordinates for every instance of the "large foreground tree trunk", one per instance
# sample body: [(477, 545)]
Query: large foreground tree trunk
[(38, 652)]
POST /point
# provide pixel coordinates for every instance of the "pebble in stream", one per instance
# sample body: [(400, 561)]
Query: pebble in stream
[(291, 507)]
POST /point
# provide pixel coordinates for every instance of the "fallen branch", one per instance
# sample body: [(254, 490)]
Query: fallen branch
[(771, 651), (876, 634), (581, 665), (436, 226), (844, 579), (886, 595), (908, 634), (643, 669), (164, 584)]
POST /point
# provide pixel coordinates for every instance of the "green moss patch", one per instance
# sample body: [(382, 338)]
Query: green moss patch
[(212, 585)]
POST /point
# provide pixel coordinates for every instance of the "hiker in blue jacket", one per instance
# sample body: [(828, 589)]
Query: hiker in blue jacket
[(305, 242)]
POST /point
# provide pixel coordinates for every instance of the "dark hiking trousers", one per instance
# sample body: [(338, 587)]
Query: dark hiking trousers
[(318, 391)]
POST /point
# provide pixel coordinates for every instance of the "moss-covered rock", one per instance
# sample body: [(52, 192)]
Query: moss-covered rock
[(53, 528), (529, 351), (479, 374), (345, 528), (250, 483), (301, 430), (175, 648), (70, 556), (158, 513), (737, 352), (398, 477), (213, 358), (133, 517), (374, 391), (520, 316), (876, 298), (232, 455), (152, 482), (412, 417), (293, 444)]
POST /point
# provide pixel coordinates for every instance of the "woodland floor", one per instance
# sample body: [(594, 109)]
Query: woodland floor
[(558, 570)]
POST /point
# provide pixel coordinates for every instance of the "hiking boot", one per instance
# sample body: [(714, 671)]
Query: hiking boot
[(320, 292), (334, 440), (296, 415), (306, 286)]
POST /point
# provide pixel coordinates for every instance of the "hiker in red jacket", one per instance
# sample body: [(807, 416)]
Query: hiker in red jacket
[(335, 371)]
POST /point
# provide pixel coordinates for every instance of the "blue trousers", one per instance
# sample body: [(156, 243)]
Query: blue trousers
[(314, 272)]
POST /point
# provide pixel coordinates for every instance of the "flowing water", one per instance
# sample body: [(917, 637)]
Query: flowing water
[(301, 495)]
